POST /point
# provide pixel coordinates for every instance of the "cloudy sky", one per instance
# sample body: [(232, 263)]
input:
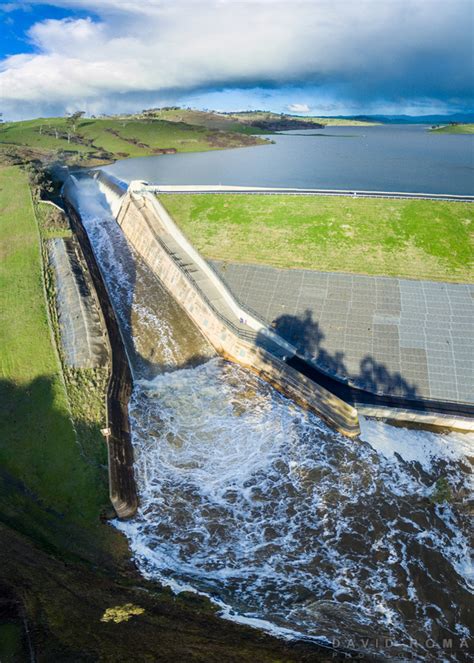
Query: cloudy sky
[(305, 56)]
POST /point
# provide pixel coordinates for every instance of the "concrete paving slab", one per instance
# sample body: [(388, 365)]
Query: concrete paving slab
[(388, 335)]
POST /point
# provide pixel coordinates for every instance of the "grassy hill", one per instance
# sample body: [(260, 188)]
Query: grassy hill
[(252, 122), (207, 119), (97, 141), (454, 129), (417, 239), (256, 116)]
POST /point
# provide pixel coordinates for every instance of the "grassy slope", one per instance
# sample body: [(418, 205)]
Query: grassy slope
[(157, 134), (209, 119), (263, 115), (241, 122), (342, 122), (106, 139), (412, 239), (152, 134), (38, 449), (28, 133), (455, 129)]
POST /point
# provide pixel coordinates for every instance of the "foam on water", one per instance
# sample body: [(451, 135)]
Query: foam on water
[(418, 446), (285, 524), (249, 499)]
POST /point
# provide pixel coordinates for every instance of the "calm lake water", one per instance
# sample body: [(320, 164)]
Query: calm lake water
[(381, 158)]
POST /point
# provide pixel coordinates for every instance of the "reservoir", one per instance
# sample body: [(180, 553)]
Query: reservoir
[(256, 503), (406, 158)]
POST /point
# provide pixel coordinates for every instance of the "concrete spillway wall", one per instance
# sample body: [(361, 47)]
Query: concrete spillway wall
[(234, 334), (122, 486), (81, 330)]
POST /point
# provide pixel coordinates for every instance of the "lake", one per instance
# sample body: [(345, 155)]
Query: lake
[(380, 158)]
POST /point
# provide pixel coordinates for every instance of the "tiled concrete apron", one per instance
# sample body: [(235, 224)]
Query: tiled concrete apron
[(390, 336)]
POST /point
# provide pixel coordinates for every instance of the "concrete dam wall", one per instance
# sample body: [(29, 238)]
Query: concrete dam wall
[(241, 336), (234, 333)]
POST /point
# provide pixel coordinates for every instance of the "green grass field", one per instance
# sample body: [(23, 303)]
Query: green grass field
[(45, 481), (455, 129), (416, 239), (121, 138)]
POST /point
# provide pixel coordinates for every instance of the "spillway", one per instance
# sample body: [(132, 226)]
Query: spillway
[(284, 523)]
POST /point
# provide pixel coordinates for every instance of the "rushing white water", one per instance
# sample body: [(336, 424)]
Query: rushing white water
[(282, 521), (246, 497)]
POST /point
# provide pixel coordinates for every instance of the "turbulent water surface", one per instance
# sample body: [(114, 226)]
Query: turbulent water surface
[(283, 522)]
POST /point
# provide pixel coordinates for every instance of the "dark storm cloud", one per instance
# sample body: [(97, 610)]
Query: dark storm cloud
[(364, 51)]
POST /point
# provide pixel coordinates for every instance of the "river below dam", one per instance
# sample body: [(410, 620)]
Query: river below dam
[(284, 523)]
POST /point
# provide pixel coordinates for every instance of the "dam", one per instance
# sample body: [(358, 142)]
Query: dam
[(396, 349), (258, 503)]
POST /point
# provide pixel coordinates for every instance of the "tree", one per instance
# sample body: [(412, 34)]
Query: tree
[(75, 117), (71, 121)]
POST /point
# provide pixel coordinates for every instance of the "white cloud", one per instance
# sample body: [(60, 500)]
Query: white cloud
[(299, 108), (158, 48), (10, 7)]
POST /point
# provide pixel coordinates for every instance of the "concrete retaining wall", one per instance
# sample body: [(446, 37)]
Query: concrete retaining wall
[(122, 486), (238, 337), (80, 325)]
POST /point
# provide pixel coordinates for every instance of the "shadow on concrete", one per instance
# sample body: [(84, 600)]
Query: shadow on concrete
[(307, 336), (373, 384)]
